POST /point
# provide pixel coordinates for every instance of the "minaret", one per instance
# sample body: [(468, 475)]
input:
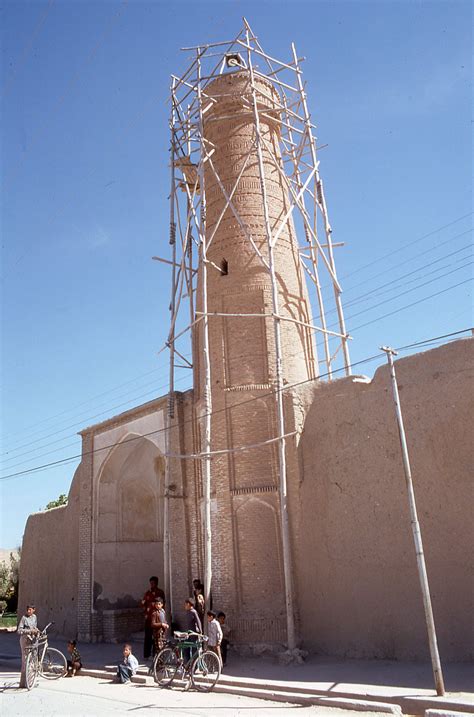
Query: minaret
[(247, 551)]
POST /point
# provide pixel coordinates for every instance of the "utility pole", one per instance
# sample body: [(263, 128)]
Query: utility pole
[(420, 557)]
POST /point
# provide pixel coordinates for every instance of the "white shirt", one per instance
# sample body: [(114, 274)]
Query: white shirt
[(214, 631), (132, 662)]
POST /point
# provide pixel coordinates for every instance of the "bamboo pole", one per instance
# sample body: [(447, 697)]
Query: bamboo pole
[(206, 460), (285, 529), (295, 161), (327, 228), (169, 413), (420, 557)]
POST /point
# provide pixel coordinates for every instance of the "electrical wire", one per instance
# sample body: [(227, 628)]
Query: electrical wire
[(69, 459), (414, 303), (163, 373), (81, 423), (409, 260), (408, 291), (182, 378), (404, 246), (383, 288)]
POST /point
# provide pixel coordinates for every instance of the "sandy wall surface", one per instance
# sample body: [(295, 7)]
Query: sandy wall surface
[(357, 581), (49, 565)]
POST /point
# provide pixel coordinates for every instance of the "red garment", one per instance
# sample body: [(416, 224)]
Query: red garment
[(148, 602)]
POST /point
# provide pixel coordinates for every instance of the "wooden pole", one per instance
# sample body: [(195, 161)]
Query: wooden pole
[(420, 558), (169, 413), (327, 227), (285, 529), (206, 434)]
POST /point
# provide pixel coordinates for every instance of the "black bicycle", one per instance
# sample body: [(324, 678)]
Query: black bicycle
[(202, 669)]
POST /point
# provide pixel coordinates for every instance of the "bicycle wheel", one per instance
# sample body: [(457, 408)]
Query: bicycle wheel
[(53, 665), (165, 667), (205, 671), (32, 669)]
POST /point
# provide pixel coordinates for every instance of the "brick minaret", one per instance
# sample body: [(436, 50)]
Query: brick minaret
[(247, 558)]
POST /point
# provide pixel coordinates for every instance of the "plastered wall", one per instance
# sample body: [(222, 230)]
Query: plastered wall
[(357, 583), (49, 565)]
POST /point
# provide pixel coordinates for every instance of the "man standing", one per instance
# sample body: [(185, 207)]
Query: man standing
[(27, 628), (148, 604)]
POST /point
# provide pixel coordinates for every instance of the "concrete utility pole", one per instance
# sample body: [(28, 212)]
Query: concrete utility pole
[(420, 557)]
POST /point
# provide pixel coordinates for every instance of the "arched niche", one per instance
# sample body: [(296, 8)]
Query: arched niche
[(251, 423), (128, 523), (259, 557)]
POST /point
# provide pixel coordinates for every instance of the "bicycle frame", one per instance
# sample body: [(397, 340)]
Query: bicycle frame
[(171, 664), (40, 643), (35, 659)]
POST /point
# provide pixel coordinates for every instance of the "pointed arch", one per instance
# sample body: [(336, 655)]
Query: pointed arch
[(259, 555), (128, 521)]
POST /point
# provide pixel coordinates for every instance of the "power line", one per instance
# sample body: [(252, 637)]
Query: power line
[(408, 291), (350, 303), (356, 300), (404, 246), (81, 423), (218, 411), (161, 430), (178, 380), (434, 338), (162, 369), (383, 288), (408, 260), (414, 303)]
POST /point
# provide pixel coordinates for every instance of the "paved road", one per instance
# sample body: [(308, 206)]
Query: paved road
[(92, 697)]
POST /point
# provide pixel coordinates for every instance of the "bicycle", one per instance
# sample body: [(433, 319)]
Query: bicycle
[(43, 661), (203, 668)]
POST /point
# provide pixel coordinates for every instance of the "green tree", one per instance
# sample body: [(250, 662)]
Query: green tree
[(9, 579), (14, 579), (4, 580), (62, 500)]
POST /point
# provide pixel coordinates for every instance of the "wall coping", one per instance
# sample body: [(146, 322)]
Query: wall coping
[(136, 412)]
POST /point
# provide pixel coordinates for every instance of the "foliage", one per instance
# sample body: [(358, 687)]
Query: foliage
[(8, 619), (3, 606), (14, 579), (9, 579), (62, 500), (4, 579)]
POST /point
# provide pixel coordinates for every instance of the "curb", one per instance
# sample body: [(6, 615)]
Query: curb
[(395, 705), (444, 713)]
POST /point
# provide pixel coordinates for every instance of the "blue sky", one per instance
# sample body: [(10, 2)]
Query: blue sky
[(85, 183)]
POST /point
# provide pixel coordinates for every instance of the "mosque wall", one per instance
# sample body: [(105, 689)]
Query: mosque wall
[(49, 567), (86, 565), (357, 581)]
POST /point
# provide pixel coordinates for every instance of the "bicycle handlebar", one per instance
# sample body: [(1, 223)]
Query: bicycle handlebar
[(190, 633), (43, 631)]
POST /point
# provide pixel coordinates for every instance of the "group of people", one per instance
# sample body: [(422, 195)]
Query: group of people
[(193, 620), (156, 631)]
